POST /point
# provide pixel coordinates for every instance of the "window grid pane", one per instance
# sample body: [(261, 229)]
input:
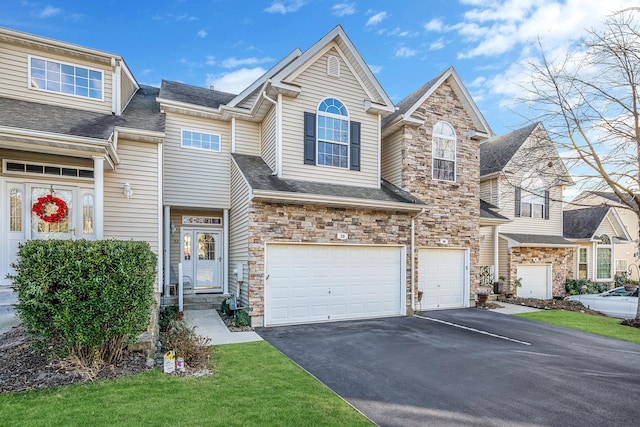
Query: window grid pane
[(65, 79), (604, 263), (205, 141), (444, 170)]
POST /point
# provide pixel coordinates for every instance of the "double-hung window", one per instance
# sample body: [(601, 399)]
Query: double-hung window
[(68, 79), (444, 152), (331, 138), (532, 199), (582, 263)]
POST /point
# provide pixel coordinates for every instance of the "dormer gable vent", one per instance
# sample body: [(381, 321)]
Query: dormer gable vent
[(333, 66)]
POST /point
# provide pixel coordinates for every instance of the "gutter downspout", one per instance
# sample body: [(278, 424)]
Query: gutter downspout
[(413, 257), (277, 171)]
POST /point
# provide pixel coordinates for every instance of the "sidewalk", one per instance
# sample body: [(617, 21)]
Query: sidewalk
[(513, 308), (209, 324)]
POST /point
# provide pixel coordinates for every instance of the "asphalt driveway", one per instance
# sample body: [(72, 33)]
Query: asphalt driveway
[(469, 367)]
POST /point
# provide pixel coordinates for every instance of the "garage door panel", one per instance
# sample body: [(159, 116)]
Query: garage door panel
[(441, 278), (332, 283), (535, 281)]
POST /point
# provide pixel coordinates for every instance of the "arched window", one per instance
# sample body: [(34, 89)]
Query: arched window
[(603, 258), (444, 152), (333, 133)]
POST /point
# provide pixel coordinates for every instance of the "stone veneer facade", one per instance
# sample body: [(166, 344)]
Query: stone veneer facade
[(453, 211), (562, 261), (274, 222)]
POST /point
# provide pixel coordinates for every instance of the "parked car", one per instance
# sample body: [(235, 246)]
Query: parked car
[(617, 302)]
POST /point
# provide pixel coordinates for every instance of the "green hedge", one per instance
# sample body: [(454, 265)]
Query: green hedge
[(574, 286), (93, 297)]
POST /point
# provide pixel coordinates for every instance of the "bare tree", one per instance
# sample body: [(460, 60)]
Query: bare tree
[(589, 103)]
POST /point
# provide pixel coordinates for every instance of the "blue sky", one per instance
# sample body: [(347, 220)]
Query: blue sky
[(406, 43)]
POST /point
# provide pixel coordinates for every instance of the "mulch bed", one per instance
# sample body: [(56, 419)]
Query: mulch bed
[(24, 368), (231, 324)]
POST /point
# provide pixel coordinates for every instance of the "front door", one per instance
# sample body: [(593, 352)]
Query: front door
[(201, 254)]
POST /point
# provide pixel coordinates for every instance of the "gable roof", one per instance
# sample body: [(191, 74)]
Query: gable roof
[(607, 195), (584, 223), (380, 101), (408, 106), (265, 185), (489, 212), (188, 94), (497, 152)]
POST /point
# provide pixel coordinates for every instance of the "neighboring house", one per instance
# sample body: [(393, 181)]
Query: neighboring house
[(75, 124), (522, 174), (310, 194), (603, 240), (626, 253)]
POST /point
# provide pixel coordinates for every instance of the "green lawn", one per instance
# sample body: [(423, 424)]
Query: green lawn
[(253, 384), (607, 326)]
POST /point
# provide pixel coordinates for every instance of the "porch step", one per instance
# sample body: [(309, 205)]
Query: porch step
[(197, 301), (7, 299)]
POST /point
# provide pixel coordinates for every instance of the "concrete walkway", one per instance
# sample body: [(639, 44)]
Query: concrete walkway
[(513, 308), (209, 324)]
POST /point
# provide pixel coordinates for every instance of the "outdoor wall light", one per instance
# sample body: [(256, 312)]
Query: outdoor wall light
[(128, 191)]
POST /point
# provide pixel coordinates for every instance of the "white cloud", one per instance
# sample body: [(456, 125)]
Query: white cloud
[(375, 69), (211, 60), (376, 19), (234, 62), (49, 11), (435, 25), (401, 33), (202, 34), (405, 52), (343, 9), (437, 45), (284, 7), (235, 81)]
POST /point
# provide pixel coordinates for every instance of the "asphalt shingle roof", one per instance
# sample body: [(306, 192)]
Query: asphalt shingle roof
[(204, 97), (496, 153), (583, 223), (260, 177), (538, 239), (487, 210), (142, 112), (408, 102)]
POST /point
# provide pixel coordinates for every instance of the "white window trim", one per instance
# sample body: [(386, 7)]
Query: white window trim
[(71, 64), (455, 152), (208, 150), (346, 118), (6, 172), (528, 195), (586, 262), (612, 265)]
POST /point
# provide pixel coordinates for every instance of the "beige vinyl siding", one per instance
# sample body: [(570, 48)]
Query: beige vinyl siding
[(316, 86), (195, 177), (363, 78), (239, 232), (14, 83), (391, 167), (486, 246), (540, 226), (247, 138), (489, 191), (606, 228), (135, 218), (127, 89), (268, 140), (250, 100)]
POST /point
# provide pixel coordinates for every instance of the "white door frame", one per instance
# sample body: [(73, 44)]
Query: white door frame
[(220, 254)]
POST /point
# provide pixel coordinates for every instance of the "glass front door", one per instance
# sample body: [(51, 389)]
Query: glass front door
[(201, 255)]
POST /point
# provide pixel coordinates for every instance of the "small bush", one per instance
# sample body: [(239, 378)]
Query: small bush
[(94, 297), (574, 286), (167, 314), (242, 318), (182, 338), (225, 307)]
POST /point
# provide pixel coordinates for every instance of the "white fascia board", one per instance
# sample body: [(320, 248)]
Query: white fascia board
[(305, 198), (56, 46), (494, 221), (186, 108), (140, 134)]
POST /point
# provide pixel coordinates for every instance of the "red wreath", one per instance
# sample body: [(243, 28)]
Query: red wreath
[(40, 208)]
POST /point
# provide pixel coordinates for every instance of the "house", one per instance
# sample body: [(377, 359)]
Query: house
[(309, 195), (602, 239), (531, 246), (75, 126), (626, 252)]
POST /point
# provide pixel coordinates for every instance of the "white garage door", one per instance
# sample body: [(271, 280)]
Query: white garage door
[(442, 277), (316, 283), (535, 281)]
